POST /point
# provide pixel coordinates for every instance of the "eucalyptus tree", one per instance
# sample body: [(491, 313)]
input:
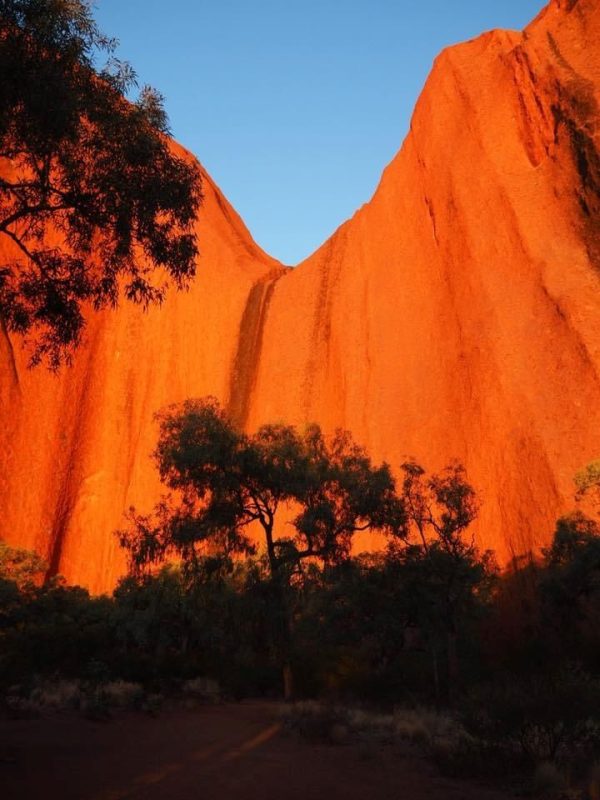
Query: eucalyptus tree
[(301, 495), (94, 199)]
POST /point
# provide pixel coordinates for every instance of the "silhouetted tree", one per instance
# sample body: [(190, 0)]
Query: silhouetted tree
[(442, 572), (569, 589), (93, 197), (226, 480)]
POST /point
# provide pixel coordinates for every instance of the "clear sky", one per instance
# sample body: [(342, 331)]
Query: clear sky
[(295, 106)]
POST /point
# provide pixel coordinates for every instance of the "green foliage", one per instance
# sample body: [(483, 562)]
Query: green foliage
[(588, 478), (95, 171), (545, 718), (53, 628), (377, 626), (439, 508), (155, 630), (569, 591), (226, 480), (223, 480), (350, 632), (21, 567), (215, 625), (575, 544), (428, 621), (444, 578)]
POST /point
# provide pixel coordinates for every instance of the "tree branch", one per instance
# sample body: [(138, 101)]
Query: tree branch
[(29, 211), (24, 249)]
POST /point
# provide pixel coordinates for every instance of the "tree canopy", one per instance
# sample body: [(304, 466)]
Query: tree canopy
[(440, 572), (93, 197), (224, 480), (22, 567)]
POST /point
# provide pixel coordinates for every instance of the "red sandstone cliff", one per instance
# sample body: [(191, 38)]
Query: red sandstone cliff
[(456, 315)]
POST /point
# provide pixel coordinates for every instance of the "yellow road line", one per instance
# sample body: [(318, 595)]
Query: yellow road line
[(202, 755), (253, 743), (150, 778)]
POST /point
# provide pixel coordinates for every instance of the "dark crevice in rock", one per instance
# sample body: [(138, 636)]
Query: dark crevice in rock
[(247, 358)]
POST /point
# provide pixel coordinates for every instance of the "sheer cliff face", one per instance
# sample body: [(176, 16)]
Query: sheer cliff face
[(75, 447), (456, 315)]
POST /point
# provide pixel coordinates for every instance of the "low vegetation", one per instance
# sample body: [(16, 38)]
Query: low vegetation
[(424, 644)]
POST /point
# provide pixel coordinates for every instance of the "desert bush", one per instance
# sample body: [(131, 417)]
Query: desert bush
[(371, 725), (123, 694), (42, 696), (205, 689), (547, 718), (423, 727), (153, 704), (316, 722), (426, 726), (94, 704), (18, 706), (94, 698), (58, 695)]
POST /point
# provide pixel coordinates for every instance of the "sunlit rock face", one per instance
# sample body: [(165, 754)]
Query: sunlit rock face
[(455, 316), (75, 446)]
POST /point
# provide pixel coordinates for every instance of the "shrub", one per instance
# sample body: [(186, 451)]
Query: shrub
[(545, 718), (123, 694), (204, 689), (57, 696), (316, 722), (327, 722)]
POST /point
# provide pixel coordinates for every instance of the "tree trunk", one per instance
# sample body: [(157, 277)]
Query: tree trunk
[(288, 681), (285, 645), (453, 671), (283, 629), (436, 676)]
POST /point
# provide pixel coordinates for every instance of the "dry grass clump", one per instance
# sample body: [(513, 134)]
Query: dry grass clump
[(19, 707), (317, 722), (93, 700), (201, 688), (59, 696), (419, 726), (43, 697), (371, 726), (427, 727), (123, 694)]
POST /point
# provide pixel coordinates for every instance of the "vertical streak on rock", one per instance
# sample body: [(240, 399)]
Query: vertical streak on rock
[(245, 365), (320, 352), (71, 480)]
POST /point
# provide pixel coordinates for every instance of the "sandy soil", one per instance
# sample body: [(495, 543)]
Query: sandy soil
[(214, 753)]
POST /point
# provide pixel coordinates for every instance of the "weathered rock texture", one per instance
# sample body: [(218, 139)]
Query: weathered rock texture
[(455, 316)]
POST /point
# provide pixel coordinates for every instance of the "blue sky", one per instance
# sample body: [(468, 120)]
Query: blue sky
[(295, 106)]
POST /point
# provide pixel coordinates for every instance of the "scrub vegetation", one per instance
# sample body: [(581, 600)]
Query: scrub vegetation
[(491, 673)]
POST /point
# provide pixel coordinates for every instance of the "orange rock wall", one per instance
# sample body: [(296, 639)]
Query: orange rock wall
[(74, 446), (456, 315)]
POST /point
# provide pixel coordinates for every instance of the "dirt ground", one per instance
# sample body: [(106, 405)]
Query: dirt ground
[(214, 753)]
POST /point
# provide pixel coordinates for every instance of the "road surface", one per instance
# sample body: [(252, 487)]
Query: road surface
[(225, 752)]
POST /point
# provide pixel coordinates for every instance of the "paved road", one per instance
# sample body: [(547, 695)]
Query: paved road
[(212, 753)]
